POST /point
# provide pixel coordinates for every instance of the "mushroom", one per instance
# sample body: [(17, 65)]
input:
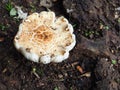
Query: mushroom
[(42, 37)]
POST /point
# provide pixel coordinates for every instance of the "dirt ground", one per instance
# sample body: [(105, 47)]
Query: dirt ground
[(94, 63)]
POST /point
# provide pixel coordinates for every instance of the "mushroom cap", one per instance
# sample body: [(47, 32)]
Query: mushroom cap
[(42, 37)]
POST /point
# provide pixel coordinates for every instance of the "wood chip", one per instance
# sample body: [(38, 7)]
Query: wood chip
[(74, 63), (88, 74), (1, 39), (79, 68), (4, 70)]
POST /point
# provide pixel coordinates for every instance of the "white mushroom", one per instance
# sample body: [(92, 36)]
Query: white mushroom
[(44, 38)]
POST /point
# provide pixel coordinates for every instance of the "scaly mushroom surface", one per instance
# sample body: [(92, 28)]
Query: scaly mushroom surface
[(42, 37)]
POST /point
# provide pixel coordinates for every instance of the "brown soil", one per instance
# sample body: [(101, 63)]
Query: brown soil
[(94, 63)]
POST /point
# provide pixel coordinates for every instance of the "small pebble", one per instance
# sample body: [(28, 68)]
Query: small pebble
[(60, 76), (65, 74)]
